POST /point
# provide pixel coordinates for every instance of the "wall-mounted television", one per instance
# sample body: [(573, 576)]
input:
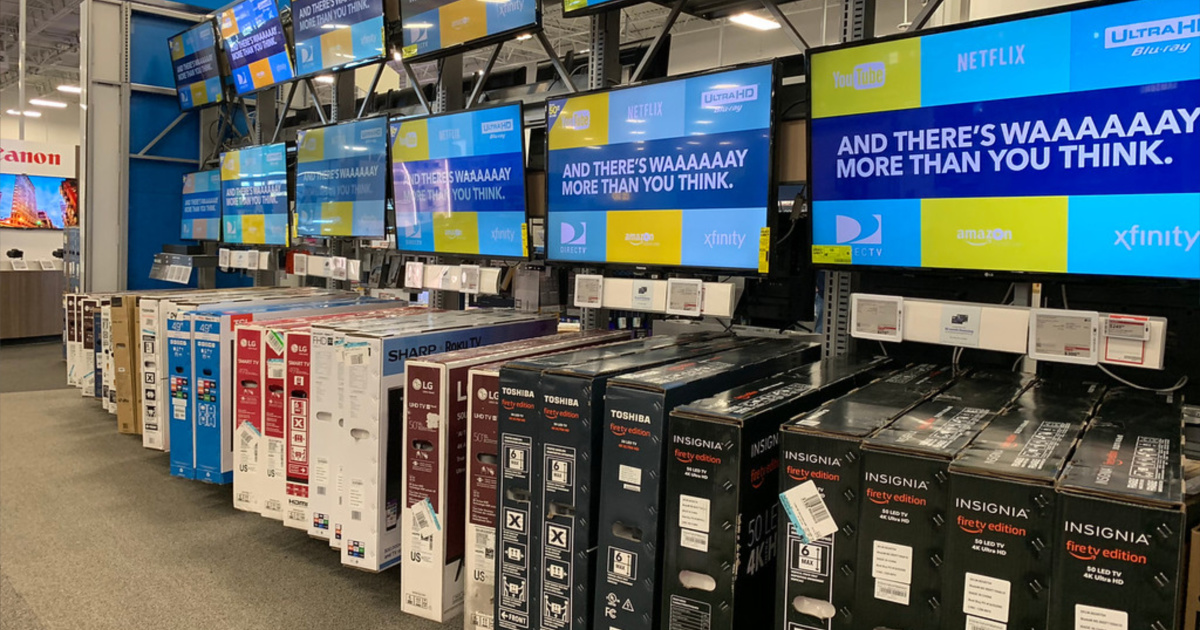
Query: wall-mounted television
[(255, 45), (196, 65), (1062, 142), (580, 8), (435, 28), (458, 181), (672, 173), (201, 206), (341, 179), (254, 195), (38, 202), (335, 34)]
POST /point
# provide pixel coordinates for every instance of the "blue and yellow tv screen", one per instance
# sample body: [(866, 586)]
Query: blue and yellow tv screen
[(254, 195), (579, 8), (255, 45), (341, 179), (458, 182), (197, 70), (432, 28), (336, 33), (202, 206), (675, 173), (1061, 143)]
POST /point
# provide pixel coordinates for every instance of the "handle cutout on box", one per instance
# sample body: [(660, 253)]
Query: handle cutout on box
[(627, 532), (423, 445), (250, 384), (299, 393), (275, 389), (360, 434), (560, 509), (697, 581), (517, 494), (488, 458), (324, 416), (813, 607)]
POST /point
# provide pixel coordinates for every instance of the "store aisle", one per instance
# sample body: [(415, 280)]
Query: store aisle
[(96, 534)]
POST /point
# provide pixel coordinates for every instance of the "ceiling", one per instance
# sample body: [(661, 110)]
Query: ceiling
[(52, 51)]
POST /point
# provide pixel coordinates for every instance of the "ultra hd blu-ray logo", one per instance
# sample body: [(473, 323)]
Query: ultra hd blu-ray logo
[(979, 238), (496, 126), (572, 237), (1143, 36), (866, 76), (729, 99)]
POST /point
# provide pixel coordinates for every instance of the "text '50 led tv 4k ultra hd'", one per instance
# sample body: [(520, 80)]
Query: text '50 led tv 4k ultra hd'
[(458, 181), (1065, 142), (254, 195), (675, 173)]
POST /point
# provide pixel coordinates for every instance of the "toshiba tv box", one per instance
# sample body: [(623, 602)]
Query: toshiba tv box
[(816, 575)]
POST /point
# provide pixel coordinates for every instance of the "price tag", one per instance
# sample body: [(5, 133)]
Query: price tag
[(878, 317), (831, 254), (252, 261), (685, 296), (300, 264), (525, 239), (764, 250), (808, 512), (46, 265), (354, 270), (470, 279), (589, 291), (337, 267), (414, 274), (223, 258), (20, 265), (264, 260)]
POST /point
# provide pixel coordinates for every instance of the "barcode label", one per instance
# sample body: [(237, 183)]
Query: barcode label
[(817, 507), (420, 519), (417, 600), (355, 515), (320, 491), (894, 592), (808, 512), (357, 359), (975, 623)]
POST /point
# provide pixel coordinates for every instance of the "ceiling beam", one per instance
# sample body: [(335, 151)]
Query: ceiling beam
[(37, 63)]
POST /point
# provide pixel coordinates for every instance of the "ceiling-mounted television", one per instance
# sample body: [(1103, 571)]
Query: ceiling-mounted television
[(339, 34), (196, 65), (341, 179), (201, 206), (255, 45), (254, 195), (435, 28)]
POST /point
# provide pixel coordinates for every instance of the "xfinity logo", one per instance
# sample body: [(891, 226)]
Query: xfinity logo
[(764, 445), (504, 234), (1106, 532), (697, 442), (979, 238), (866, 76), (986, 507), (496, 126), (638, 240), (730, 239), (812, 458), (562, 400), (1138, 237), (512, 391), (897, 480), (1170, 29), (512, 6), (631, 417), (728, 96)]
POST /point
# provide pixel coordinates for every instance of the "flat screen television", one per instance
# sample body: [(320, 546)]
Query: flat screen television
[(38, 202), (435, 28), (254, 195), (674, 173), (255, 45), (202, 206), (458, 181), (341, 179), (580, 8), (336, 34), (196, 66), (1062, 142)]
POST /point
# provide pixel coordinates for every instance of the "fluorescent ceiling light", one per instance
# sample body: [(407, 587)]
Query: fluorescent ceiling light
[(27, 113), (397, 56), (419, 25), (41, 102), (70, 89), (325, 78), (750, 20), (524, 36)]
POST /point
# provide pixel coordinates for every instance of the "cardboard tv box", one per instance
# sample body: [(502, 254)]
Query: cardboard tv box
[(1124, 521), (433, 516), (126, 359), (1000, 544), (371, 429), (636, 408), (721, 489), (816, 578), (523, 424)]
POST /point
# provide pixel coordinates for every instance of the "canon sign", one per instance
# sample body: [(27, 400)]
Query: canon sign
[(42, 158)]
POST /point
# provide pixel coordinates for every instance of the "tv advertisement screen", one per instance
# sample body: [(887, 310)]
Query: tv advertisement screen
[(439, 27), (336, 33), (341, 179), (675, 173), (256, 45), (38, 202), (579, 8), (254, 195), (1067, 142), (202, 206), (458, 181), (197, 69)]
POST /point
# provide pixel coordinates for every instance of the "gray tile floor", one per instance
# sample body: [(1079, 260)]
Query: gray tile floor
[(95, 534)]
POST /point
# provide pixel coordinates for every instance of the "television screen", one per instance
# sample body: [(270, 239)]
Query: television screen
[(254, 195), (1066, 142), (458, 181), (341, 179), (579, 8), (432, 28), (197, 70), (672, 173), (255, 45), (202, 206), (38, 202), (336, 33)]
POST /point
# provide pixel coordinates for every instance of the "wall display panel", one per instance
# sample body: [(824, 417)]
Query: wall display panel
[(38, 202), (458, 181), (202, 206), (254, 195), (674, 173), (337, 33), (434, 28), (196, 66), (341, 179), (1064, 142), (256, 45)]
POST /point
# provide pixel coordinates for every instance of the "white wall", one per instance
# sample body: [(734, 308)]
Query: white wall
[(981, 9), (56, 126)]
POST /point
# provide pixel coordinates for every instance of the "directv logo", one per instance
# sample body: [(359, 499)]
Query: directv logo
[(496, 126), (866, 76), (850, 231)]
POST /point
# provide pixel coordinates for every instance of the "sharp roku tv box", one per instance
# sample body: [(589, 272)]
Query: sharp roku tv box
[(1000, 545), (816, 576), (628, 559)]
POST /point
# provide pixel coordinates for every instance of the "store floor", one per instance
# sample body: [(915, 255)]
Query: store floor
[(95, 534)]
